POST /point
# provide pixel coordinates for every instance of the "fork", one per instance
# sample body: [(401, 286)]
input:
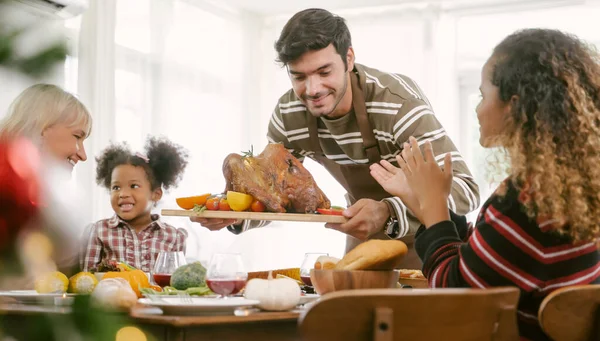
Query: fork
[(185, 297), (158, 299)]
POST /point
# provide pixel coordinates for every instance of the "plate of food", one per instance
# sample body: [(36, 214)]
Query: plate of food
[(412, 278), (308, 298), (33, 297), (272, 185), (110, 265), (177, 305)]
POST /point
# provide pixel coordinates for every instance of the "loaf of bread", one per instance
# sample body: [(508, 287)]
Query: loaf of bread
[(326, 263), (374, 255)]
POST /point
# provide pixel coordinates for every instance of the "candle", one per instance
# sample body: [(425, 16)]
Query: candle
[(63, 300)]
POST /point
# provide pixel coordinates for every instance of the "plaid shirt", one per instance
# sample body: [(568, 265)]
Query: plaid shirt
[(114, 239)]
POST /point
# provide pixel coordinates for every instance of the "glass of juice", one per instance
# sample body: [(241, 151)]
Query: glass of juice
[(308, 264), (166, 263), (226, 274)]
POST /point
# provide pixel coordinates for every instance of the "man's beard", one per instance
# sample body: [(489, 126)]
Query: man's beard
[(339, 99)]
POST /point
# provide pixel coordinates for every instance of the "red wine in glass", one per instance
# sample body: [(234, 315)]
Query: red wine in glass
[(162, 280), (306, 280), (307, 264), (226, 274), (226, 287), (166, 263)]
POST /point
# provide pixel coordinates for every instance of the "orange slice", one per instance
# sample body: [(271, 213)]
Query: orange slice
[(188, 203)]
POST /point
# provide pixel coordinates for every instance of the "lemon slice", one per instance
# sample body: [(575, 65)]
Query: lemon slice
[(239, 201)]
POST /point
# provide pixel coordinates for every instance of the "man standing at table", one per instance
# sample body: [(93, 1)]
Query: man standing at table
[(347, 116)]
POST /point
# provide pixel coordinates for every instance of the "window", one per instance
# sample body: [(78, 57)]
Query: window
[(133, 26), (173, 79), (474, 46), (477, 157)]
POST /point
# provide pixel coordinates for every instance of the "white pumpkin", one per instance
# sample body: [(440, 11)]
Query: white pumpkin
[(273, 294), (114, 293)]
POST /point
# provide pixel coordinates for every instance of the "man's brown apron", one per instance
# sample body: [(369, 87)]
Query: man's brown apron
[(356, 178)]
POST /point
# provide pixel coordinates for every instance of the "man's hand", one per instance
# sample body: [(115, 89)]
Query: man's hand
[(366, 217), (215, 224), (393, 181)]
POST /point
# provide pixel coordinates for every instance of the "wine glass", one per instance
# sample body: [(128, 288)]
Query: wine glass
[(166, 263), (308, 264), (226, 274)]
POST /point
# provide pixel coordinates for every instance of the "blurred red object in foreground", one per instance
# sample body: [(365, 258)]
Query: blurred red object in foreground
[(19, 188)]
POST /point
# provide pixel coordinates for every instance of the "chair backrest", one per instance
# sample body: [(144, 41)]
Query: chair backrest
[(572, 313), (413, 314)]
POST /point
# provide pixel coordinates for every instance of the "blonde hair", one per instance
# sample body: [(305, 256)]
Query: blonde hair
[(41, 106)]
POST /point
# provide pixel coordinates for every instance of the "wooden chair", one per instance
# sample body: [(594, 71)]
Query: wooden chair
[(572, 313), (413, 314)]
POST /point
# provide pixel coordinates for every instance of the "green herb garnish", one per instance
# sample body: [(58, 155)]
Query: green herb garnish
[(248, 153)]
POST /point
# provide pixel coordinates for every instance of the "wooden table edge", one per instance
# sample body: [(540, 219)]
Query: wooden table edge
[(184, 321)]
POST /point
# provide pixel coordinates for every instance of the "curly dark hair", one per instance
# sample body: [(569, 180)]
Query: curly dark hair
[(552, 135), (164, 165), (311, 30)]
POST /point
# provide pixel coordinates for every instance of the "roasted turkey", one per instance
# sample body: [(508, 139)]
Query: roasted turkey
[(275, 178)]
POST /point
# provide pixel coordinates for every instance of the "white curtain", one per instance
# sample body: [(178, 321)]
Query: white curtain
[(96, 88)]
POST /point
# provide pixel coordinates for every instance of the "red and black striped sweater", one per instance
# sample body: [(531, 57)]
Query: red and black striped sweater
[(506, 248)]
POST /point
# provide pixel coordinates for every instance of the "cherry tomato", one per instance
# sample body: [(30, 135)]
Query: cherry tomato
[(257, 206), (212, 203), (224, 205), (330, 211)]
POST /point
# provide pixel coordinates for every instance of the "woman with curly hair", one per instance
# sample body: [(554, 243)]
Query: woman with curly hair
[(135, 182), (540, 103)]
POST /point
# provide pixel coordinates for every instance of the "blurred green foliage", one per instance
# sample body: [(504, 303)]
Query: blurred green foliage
[(35, 65)]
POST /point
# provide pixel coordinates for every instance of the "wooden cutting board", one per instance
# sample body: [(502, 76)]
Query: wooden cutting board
[(306, 217)]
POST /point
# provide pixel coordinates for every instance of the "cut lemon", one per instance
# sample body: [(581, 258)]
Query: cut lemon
[(239, 201), (188, 203)]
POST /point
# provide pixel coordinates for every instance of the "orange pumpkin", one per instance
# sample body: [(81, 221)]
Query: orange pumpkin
[(136, 278)]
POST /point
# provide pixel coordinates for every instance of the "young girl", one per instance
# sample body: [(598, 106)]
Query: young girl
[(135, 182), (541, 104)]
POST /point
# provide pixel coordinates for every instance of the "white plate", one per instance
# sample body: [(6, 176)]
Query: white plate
[(33, 297), (307, 298), (198, 305)]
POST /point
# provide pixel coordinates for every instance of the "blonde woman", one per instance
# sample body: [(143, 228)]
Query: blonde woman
[(52, 118), (57, 123)]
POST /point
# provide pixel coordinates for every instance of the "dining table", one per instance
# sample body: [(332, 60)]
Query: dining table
[(244, 324)]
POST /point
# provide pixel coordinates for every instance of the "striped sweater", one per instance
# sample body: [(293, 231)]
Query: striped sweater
[(506, 248), (397, 109)]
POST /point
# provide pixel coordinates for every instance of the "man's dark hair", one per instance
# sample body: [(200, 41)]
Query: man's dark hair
[(310, 30)]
